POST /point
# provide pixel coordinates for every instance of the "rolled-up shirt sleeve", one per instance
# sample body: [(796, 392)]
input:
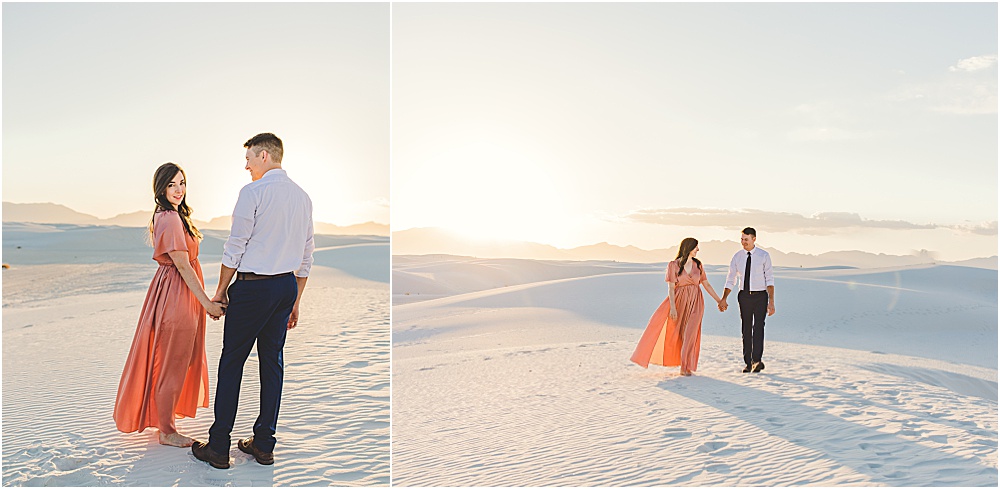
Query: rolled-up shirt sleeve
[(239, 233), (307, 253), (731, 278), (768, 275)]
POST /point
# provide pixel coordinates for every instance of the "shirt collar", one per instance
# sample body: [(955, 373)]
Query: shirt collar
[(274, 173)]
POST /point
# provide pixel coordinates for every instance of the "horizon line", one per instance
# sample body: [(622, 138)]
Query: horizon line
[(150, 211)]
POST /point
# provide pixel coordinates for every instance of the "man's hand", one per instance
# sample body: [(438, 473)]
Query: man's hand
[(293, 318), (222, 297), (723, 305), (770, 308)]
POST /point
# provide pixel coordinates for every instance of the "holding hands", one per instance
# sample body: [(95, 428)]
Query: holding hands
[(217, 308), (723, 305)]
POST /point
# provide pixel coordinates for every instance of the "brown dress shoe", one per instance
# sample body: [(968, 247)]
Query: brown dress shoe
[(246, 446), (203, 452)]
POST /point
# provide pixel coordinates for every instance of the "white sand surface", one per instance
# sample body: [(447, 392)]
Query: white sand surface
[(67, 327), (873, 377)]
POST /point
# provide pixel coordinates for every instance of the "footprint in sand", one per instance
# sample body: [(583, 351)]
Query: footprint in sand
[(718, 469), (357, 364), (676, 433), (178, 468), (66, 464), (215, 482), (712, 446), (876, 450), (775, 421)]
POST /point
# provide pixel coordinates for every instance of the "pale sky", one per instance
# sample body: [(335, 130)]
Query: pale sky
[(826, 126), (97, 96)]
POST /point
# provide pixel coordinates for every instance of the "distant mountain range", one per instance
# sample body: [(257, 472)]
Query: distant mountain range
[(49, 213), (428, 241)]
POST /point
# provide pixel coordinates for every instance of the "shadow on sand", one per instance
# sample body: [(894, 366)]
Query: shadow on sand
[(863, 449)]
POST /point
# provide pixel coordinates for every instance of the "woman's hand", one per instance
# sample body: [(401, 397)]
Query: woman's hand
[(673, 313)]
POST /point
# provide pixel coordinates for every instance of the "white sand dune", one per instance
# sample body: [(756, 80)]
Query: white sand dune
[(874, 377), (415, 279), (66, 332)]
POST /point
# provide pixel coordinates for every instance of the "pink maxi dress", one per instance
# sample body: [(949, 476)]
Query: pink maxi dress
[(668, 342), (166, 374)]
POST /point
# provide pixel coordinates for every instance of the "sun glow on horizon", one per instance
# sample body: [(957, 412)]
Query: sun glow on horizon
[(194, 100), (491, 191)]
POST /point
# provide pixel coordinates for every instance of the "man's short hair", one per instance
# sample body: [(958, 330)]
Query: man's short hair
[(266, 141), (750, 231)]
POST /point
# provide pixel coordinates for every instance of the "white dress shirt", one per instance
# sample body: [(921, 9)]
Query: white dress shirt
[(272, 228), (761, 276)]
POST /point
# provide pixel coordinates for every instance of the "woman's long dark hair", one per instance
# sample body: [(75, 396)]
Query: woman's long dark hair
[(163, 176), (685, 249)]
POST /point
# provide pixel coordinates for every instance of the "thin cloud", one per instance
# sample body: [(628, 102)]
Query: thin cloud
[(984, 229), (975, 63), (823, 223), (970, 89), (969, 98), (954, 96)]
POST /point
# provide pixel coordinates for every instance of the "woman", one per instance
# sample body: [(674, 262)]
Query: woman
[(166, 374), (673, 335)]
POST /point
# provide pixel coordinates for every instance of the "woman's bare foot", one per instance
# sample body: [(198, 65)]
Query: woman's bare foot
[(175, 440), (686, 373)]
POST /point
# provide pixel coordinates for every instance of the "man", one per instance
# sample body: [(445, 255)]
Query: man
[(750, 270), (271, 237)]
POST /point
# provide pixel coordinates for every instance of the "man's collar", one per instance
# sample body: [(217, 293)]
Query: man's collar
[(273, 172)]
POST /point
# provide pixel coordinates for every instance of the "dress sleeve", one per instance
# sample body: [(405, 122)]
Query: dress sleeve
[(169, 234), (704, 274), (672, 269)]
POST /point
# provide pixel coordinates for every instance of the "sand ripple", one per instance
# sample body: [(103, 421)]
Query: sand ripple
[(62, 359), (580, 414)]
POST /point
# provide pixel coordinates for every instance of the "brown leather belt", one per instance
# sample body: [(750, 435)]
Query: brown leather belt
[(255, 276)]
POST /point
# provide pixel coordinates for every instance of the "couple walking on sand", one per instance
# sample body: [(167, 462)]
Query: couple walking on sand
[(673, 335), (269, 252)]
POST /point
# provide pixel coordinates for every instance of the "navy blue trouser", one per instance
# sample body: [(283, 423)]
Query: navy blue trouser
[(753, 310), (258, 313)]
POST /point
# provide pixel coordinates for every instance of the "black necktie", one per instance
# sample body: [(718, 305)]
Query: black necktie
[(746, 275)]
